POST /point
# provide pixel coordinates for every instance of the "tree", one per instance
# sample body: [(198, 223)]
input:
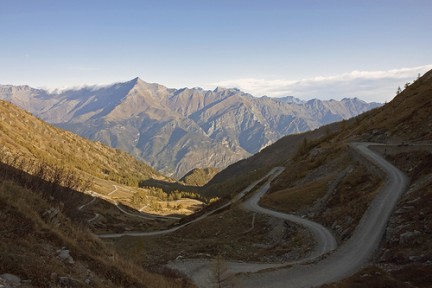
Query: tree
[(399, 90)]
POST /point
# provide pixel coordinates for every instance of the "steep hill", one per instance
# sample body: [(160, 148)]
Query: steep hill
[(326, 181), (178, 130), (23, 134), (40, 224), (199, 176)]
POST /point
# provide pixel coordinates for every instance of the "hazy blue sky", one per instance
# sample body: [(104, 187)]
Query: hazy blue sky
[(263, 47)]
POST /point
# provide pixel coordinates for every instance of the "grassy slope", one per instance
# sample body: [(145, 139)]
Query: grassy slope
[(29, 237), (406, 119), (34, 228), (22, 133), (199, 176)]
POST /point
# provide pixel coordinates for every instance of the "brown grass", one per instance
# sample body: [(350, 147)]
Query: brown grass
[(350, 200), (370, 277), (296, 198), (31, 235), (227, 233), (199, 176), (24, 134)]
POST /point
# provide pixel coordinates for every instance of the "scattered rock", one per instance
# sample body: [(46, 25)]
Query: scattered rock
[(415, 258), (53, 276), (13, 279), (349, 220), (407, 236), (64, 255), (65, 281), (333, 226), (50, 215), (345, 233), (386, 255)]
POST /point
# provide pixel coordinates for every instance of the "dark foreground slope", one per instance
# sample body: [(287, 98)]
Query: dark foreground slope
[(45, 247)]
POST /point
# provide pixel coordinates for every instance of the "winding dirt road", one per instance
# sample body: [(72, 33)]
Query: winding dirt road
[(344, 261), (141, 214), (163, 232), (325, 241), (200, 271), (354, 253)]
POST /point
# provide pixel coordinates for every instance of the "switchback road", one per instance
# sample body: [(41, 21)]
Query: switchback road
[(354, 253)]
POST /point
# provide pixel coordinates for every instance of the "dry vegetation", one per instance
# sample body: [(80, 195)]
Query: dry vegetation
[(405, 257), (229, 234), (24, 134), (199, 176), (31, 145), (296, 198), (378, 278), (112, 220), (327, 182), (349, 201), (407, 249), (35, 230)]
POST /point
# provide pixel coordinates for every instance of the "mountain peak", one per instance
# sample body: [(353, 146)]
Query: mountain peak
[(355, 99), (137, 80), (219, 89)]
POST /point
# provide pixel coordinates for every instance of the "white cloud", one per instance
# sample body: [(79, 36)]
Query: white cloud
[(378, 86)]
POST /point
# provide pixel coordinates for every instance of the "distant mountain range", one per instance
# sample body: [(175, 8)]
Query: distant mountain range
[(176, 130)]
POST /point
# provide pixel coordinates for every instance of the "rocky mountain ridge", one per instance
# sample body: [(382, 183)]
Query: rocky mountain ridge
[(176, 130)]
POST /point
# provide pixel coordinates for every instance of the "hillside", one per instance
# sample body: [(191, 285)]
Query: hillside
[(326, 181), (406, 118), (199, 177), (24, 134), (30, 144), (40, 224), (174, 130)]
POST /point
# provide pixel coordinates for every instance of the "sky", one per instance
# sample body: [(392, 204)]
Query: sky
[(305, 48)]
